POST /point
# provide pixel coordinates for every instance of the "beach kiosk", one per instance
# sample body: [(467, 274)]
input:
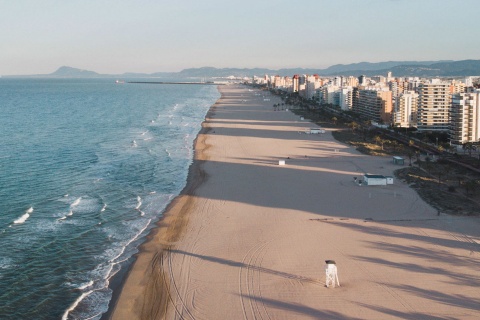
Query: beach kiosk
[(398, 160), (314, 131), (375, 180)]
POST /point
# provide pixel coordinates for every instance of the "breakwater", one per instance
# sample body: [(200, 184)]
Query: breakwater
[(174, 82)]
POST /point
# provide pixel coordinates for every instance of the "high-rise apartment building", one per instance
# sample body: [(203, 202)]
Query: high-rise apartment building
[(465, 118), (434, 101), (345, 98), (405, 114), (375, 105)]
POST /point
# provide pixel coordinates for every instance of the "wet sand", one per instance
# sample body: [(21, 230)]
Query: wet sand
[(248, 238)]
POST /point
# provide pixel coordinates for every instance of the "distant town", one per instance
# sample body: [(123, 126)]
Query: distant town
[(448, 106)]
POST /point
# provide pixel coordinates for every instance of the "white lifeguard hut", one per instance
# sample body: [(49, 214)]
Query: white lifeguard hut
[(331, 275)]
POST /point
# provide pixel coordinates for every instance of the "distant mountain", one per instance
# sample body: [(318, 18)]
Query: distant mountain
[(441, 69), (369, 66), (445, 68), (69, 72)]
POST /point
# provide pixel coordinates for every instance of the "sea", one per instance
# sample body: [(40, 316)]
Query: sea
[(87, 167)]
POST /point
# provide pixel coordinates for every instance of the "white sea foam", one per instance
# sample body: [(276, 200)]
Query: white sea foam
[(5, 263), (85, 285), (144, 133), (139, 202), (104, 207), (24, 217), (70, 213), (75, 304), (135, 237), (76, 202)]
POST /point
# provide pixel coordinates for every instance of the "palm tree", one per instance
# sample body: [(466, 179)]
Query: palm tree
[(394, 144), (353, 125), (417, 156), (410, 156), (379, 141)]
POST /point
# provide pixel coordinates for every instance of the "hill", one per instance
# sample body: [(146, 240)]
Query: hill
[(398, 68)]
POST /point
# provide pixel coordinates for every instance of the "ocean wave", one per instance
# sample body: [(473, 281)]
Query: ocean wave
[(5, 263), (24, 217), (76, 202), (75, 304), (85, 285), (139, 203)]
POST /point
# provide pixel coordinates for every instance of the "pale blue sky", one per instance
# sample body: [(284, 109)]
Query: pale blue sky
[(116, 36)]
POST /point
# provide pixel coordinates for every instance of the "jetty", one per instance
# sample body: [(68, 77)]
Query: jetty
[(174, 82)]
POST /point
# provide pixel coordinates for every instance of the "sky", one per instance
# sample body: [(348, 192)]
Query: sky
[(117, 36)]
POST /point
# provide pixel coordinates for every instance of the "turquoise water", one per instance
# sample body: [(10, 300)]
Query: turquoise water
[(86, 168)]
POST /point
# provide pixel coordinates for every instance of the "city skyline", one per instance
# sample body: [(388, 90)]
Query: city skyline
[(154, 36)]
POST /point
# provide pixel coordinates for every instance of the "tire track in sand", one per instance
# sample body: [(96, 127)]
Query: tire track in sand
[(249, 284)]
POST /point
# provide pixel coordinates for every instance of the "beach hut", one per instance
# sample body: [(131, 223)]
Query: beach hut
[(375, 180), (398, 160)]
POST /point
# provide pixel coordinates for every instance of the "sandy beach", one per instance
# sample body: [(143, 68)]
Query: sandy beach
[(248, 238)]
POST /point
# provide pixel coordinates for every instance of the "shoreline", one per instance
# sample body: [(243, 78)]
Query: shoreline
[(254, 234), (169, 228)]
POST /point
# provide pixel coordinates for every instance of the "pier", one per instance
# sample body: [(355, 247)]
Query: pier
[(173, 82)]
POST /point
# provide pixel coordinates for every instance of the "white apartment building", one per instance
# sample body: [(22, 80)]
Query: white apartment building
[(405, 114), (345, 98), (465, 118), (312, 84), (434, 101)]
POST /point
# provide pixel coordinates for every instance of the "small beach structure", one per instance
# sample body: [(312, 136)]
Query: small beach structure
[(314, 131), (398, 160), (377, 180), (331, 275)]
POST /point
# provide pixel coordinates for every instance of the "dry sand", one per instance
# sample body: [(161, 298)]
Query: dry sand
[(249, 240)]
